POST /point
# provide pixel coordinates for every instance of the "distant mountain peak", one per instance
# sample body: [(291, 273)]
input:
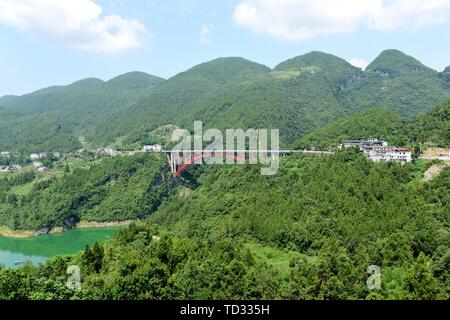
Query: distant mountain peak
[(224, 69), (232, 61), (88, 82), (393, 62), (313, 59), (134, 80), (328, 67)]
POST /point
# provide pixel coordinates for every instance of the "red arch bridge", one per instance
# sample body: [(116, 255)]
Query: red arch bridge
[(180, 163)]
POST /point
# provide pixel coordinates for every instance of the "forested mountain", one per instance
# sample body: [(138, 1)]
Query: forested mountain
[(117, 189), (54, 119), (432, 127), (247, 95), (375, 123), (35, 133), (187, 96), (298, 96), (398, 82), (336, 70)]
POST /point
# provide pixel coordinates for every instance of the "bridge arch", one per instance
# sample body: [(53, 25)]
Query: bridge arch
[(195, 158)]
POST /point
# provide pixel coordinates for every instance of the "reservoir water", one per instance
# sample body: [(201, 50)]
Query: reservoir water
[(38, 249)]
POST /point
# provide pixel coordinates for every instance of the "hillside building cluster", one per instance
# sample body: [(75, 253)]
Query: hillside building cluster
[(108, 151), (380, 151), (112, 152)]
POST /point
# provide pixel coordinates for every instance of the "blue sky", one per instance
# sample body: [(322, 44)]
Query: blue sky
[(56, 42)]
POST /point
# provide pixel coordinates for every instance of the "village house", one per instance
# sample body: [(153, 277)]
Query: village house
[(388, 154), (153, 148), (39, 166), (42, 169), (39, 155), (5, 154)]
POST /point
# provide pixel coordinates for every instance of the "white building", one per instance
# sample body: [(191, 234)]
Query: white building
[(39, 166), (363, 144), (5, 154), (153, 148), (39, 155), (388, 154)]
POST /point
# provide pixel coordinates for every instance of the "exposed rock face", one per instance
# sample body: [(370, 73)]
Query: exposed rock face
[(41, 231), (445, 75), (70, 222)]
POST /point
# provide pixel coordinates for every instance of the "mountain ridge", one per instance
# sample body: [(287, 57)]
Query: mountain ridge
[(305, 59), (298, 96)]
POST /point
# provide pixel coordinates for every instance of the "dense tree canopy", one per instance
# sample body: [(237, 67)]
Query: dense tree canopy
[(326, 220), (115, 189)]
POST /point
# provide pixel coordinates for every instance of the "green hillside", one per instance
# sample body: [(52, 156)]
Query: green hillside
[(432, 127), (180, 100), (372, 123), (117, 189), (336, 70), (232, 92), (133, 80), (398, 82), (68, 111)]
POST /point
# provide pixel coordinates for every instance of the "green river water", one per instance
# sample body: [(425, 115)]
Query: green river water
[(38, 249)]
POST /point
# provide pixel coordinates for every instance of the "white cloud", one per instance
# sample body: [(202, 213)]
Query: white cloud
[(78, 24), (359, 63), (298, 20), (205, 33)]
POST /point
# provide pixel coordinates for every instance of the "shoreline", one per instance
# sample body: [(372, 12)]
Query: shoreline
[(26, 234)]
